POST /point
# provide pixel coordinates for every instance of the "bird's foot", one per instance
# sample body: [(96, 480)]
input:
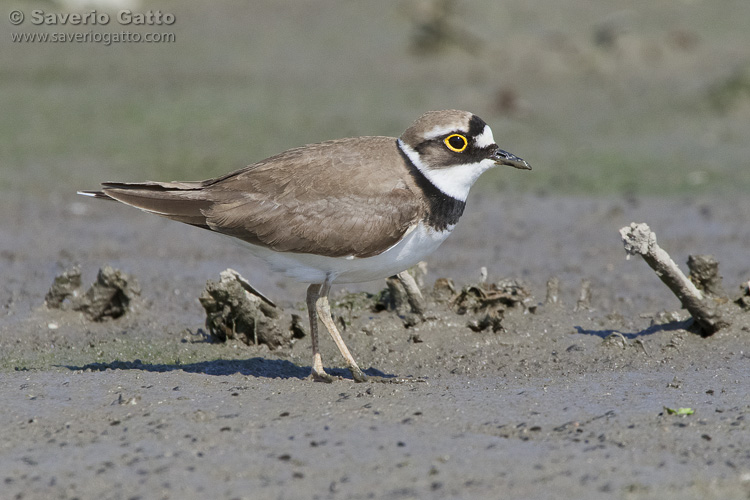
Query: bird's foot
[(357, 374), (321, 376)]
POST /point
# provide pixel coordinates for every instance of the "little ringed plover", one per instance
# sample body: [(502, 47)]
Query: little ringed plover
[(341, 211)]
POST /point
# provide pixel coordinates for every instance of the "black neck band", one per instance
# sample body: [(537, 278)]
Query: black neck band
[(442, 210)]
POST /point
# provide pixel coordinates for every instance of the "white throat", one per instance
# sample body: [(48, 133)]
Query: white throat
[(454, 181)]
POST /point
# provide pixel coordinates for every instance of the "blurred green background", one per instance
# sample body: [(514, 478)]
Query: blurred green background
[(602, 98)]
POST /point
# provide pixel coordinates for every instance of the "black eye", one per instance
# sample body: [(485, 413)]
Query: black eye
[(456, 142)]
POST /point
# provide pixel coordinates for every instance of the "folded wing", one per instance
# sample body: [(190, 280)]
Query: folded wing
[(327, 199)]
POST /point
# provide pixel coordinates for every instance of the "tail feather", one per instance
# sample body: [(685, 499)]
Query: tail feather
[(96, 194), (180, 201)]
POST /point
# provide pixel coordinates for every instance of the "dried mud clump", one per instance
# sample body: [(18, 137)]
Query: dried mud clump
[(235, 310), (485, 303), (402, 295), (744, 300), (67, 285), (443, 290), (109, 297), (490, 302), (704, 273)]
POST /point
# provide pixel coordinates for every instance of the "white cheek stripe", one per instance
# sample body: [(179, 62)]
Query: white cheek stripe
[(457, 181), (454, 181), (412, 155), (485, 138)]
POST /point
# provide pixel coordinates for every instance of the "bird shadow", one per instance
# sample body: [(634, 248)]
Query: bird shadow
[(651, 330), (253, 367)]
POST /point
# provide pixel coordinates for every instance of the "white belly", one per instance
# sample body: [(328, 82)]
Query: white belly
[(309, 268)]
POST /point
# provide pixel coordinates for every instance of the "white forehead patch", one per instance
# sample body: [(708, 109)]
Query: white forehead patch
[(481, 141), (440, 131), (485, 138)]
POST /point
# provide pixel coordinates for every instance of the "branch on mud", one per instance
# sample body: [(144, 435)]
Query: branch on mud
[(553, 292), (413, 294), (640, 240), (584, 296)]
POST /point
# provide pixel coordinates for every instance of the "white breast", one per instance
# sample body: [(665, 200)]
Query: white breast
[(308, 268)]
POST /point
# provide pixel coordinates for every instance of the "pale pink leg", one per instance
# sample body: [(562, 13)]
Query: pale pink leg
[(324, 313), (318, 373)]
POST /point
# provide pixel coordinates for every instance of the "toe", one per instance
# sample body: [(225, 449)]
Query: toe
[(357, 374), (321, 376)]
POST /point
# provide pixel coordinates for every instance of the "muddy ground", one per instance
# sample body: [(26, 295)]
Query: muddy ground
[(602, 98), (559, 403)]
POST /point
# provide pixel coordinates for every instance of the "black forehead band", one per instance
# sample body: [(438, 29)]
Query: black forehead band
[(476, 126)]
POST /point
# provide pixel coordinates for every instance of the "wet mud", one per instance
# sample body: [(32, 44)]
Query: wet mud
[(549, 373)]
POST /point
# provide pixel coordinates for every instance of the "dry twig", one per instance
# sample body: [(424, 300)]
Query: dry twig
[(553, 291), (640, 240), (413, 294), (584, 297)]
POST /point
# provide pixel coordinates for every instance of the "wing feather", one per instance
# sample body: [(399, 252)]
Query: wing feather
[(330, 199), (349, 197)]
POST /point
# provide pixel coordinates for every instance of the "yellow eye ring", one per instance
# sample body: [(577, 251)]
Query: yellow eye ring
[(456, 143)]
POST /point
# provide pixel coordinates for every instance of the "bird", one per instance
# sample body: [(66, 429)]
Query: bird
[(342, 211)]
